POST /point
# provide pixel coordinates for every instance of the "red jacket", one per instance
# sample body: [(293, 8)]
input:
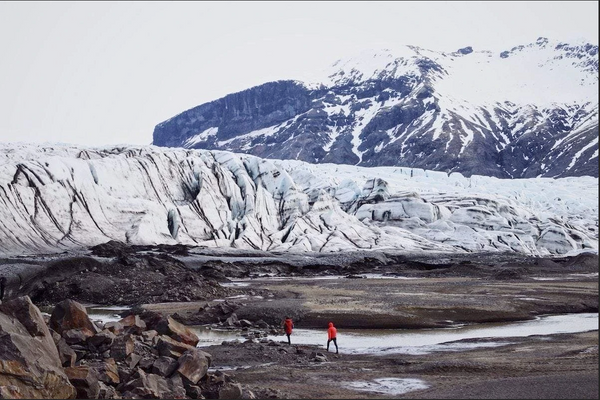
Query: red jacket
[(288, 325), (331, 332)]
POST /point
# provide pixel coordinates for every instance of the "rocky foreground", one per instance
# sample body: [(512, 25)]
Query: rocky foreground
[(67, 355)]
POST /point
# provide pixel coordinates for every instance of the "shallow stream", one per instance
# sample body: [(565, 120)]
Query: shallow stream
[(405, 341)]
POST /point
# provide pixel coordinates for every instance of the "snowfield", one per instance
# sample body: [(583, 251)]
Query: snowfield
[(60, 197)]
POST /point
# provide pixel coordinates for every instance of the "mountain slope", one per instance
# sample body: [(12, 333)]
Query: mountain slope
[(530, 111), (56, 197)]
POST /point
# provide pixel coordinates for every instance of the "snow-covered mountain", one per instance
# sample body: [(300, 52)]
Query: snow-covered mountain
[(60, 197), (531, 111)]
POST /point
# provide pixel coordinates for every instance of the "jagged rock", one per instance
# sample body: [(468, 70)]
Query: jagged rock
[(85, 380), (193, 391), (132, 360), (146, 363), (107, 392), (77, 336), (115, 327), (148, 336), (125, 374), (222, 390), (30, 365), (108, 371), (164, 366), (230, 390), (133, 324), (148, 386), (106, 337), (178, 390), (69, 314), (23, 310), (55, 336), (143, 349), (194, 364), (80, 351), (67, 355), (171, 348), (122, 347), (168, 326)]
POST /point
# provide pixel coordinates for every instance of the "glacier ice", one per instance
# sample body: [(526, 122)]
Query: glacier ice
[(55, 198)]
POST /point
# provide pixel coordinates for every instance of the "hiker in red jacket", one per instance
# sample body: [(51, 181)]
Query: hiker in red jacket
[(332, 336), (288, 326)]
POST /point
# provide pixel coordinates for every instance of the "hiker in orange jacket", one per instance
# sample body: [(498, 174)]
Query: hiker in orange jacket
[(332, 337), (288, 326)]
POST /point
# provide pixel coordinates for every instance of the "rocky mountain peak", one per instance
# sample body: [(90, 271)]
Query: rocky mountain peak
[(525, 112)]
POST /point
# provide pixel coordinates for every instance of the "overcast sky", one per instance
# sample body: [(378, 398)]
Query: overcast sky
[(98, 73)]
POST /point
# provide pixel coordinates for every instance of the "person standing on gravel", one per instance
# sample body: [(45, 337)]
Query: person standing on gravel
[(332, 337), (288, 326)]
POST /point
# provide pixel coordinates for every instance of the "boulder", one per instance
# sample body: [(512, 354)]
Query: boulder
[(171, 348), (133, 324), (178, 390), (194, 364), (24, 311), (77, 336), (180, 332), (69, 314), (164, 366), (146, 363), (30, 366), (222, 390), (148, 386), (122, 347), (67, 355), (107, 371), (114, 326), (107, 392), (132, 360), (105, 337), (168, 326), (230, 390), (85, 380)]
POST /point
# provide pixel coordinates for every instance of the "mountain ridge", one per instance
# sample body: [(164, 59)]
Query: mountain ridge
[(424, 109)]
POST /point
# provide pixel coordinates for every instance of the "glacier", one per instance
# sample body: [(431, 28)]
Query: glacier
[(57, 198)]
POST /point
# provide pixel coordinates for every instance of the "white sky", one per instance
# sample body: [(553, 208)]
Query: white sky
[(97, 73)]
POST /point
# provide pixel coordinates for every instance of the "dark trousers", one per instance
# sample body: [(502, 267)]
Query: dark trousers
[(289, 340), (334, 340)]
